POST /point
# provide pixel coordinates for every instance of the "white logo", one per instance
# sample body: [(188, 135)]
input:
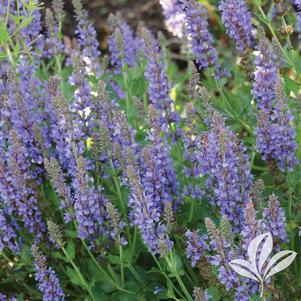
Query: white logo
[(259, 268)]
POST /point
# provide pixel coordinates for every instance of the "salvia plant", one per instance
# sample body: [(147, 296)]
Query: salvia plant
[(138, 172)]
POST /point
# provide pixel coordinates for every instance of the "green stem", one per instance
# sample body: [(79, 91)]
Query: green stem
[(101, 270), (7, 13), (181, 242), (166, 277), (290, 196), (127, 89), (9, 55), (112, 272), (58, 65), (133, 249), (145, 103), (253, 155), (59, 71), (81, 277), (180, 154), (183, 287), (117, 187), (232, 114), (5, 257), (171, 264), (121, 200), (288, 40), (191, 213), (121, 265), (191, 275), (97, 171), (136, 275), (192, 203), (289, 182), (270, 27), (260, 168)]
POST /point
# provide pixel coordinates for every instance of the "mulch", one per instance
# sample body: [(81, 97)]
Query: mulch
[(134, 12)]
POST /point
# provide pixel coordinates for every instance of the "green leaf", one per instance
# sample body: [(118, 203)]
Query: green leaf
[(296, 60), (59, 256), (127, 254), (176, 268), (257, 2), (51, 195), (73, 277), (20, 298), (124, 296), (2, 56), (15, 19), (263, 19), (170, 293), (178, 262), (214, 294), (3, 33), (26, 22), (71, 233), (290, 85), (100, 289), (114, 259), (26, 255), (139, 86), (70, 250)]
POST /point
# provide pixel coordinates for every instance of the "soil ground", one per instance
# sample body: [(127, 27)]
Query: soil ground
[(132, 11)]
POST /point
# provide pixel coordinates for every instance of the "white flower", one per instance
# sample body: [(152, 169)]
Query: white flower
[(259, 268)]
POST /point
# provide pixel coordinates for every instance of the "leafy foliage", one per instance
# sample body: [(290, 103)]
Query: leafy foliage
[(125, 177)]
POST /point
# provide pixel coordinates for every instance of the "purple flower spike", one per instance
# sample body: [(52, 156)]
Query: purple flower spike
[(17, 193), (274, 220), (8, 234), (48, 283), (275, 134), (88, 205), (196, 245), (224, 162), (196, 28), (87, 39), (251, 227), (123, 45), (151, 208), (237, 20), (265, 76), (158, 89)]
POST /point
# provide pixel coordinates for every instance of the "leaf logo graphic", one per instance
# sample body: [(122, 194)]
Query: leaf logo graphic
[(258, 267)]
